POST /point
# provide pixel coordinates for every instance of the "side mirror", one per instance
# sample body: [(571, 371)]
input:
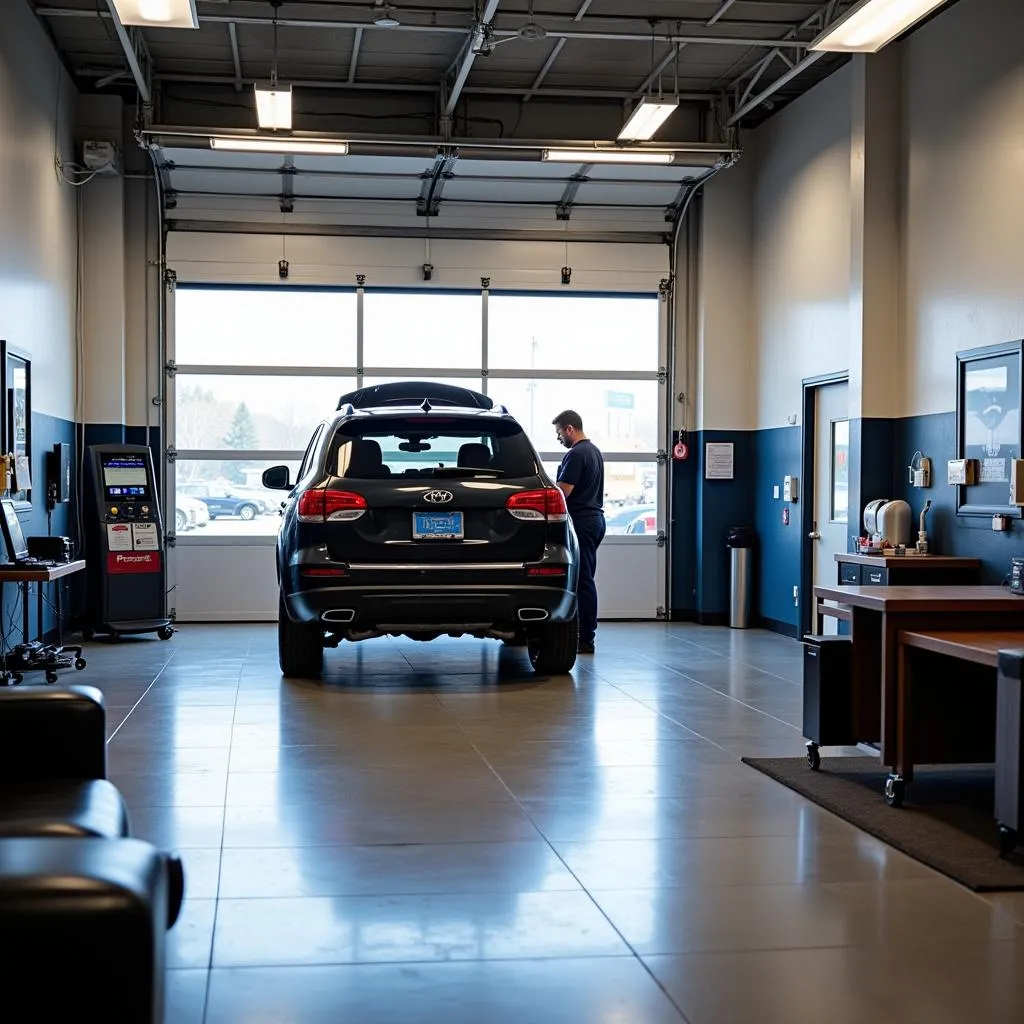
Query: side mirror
[(277, 478)]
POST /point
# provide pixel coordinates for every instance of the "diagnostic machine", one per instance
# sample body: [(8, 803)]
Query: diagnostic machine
[(127, 564)]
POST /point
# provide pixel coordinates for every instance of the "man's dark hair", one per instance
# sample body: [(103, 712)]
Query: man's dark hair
[(568, 419)]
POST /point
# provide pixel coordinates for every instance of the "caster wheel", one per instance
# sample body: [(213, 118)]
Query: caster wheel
[(813, 757), (51, 676), (1007, 841), (16, 678), (895, 790), (79, 664), (165, 632)]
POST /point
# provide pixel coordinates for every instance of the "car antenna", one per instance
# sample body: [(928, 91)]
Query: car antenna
[(426, 406)]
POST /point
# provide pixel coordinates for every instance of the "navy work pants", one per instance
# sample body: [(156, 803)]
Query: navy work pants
[(590, 532)]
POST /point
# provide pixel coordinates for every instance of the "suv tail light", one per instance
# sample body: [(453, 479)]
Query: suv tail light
[(337, 506), (548, 504)]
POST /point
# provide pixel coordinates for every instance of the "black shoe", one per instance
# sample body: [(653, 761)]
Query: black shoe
[(584, 648)]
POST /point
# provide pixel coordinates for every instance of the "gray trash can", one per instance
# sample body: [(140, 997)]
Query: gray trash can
[(740, 541)]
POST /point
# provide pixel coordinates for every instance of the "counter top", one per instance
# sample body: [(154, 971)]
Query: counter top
[(919, 561)]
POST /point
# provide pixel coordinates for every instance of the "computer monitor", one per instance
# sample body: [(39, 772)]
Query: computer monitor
[(17, 546)]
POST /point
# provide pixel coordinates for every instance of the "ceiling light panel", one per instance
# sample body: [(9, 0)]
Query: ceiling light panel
[(872, 24), (158, 13), (648, 117)]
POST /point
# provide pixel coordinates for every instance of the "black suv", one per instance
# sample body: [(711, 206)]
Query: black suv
[(422, 510)]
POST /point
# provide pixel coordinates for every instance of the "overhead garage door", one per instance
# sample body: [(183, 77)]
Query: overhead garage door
[(255, 367)]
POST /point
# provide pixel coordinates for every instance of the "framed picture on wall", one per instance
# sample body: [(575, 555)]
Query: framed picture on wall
[(988, 426), (16, 388)]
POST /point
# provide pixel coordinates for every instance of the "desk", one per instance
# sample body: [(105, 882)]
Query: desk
[(1005, 714), (879, 614), (25, 576)]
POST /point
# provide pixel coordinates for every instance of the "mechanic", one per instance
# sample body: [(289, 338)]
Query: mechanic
[(581, 479)]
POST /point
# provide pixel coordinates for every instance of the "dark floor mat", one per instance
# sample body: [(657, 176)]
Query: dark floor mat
[(946, 821)]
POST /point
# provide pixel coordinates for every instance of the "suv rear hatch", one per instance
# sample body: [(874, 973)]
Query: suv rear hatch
[(434, 489)]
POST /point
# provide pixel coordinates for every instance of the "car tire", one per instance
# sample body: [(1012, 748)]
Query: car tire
[(300, 648), (180, 521), (247, 512), (553, 647)]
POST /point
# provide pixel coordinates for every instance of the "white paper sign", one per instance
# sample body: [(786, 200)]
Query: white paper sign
[(119, 537), (144, 536), (993, 471), (718, 460)]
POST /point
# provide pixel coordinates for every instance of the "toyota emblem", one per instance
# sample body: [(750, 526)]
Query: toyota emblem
[(438, 497)]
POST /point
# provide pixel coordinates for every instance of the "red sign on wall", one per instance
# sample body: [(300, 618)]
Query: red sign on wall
[(133, 561)]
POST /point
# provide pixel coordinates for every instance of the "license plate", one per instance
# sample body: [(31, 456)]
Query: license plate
[(437, 526)]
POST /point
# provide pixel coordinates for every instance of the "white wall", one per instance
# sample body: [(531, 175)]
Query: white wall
[(802, 245), (964, 193), (726, 386), (38, 225)]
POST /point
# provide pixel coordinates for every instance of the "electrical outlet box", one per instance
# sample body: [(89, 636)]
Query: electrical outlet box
[(100, 157), (775, 492), (790, 489), (962, 472), (1000, 523)]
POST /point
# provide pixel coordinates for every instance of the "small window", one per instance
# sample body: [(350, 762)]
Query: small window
[(307, 459), (840, 471)]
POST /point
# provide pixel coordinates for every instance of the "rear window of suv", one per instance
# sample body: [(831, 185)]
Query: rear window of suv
[(430, 445)]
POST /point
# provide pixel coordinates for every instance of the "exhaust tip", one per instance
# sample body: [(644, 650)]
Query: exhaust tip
[(339, 615), (532, 614)]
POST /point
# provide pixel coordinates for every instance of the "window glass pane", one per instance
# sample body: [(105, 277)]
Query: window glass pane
[(630, 496), (422, 329), (232, 496), (264, 327), (555, 332), (429, 445), (618, 416), (250, 412), (840, 471)]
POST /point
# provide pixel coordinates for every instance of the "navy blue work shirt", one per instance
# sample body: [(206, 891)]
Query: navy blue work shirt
[(583, 467)]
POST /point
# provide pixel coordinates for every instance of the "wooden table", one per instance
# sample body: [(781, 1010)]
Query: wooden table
[(25, 576), (986, 713), (878, 615)]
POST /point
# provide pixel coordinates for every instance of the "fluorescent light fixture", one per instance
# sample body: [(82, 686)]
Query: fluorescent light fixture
[(872, 24), (158, 13), (274, 106), (607, 156), (311, 146), (648, 117)]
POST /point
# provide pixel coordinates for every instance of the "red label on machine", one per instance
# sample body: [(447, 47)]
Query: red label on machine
[(133, 561)]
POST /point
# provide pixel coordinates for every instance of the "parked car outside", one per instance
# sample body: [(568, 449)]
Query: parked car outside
[(422, 510), (223, 500), (189, 513)]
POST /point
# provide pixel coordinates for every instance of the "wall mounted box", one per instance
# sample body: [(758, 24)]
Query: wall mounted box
[(962, 471)]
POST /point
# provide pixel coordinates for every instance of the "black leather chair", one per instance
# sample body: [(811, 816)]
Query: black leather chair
[(82, 929), (53, 765)]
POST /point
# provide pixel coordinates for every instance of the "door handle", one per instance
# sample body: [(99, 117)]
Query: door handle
[(814, 535)]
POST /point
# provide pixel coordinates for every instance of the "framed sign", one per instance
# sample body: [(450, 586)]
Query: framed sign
[(16, 388), (988, 426)]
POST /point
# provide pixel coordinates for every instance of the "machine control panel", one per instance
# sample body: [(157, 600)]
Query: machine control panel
[(128, 502)]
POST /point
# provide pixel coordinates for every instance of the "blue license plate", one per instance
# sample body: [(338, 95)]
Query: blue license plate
[(437, 526)]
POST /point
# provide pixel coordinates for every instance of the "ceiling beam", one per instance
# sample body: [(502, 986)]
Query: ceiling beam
[(135, 52), (496, 33), (817, 23), (233, 34), (553, 56), (357, 43), (476, 37), (726, 4), (659, 67)]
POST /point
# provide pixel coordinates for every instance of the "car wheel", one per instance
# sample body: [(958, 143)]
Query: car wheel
[(300, 648), (247, 512), (180, 521), (553, 647)]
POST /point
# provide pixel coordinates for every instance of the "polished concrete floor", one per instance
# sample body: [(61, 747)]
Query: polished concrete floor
[(433, 834)]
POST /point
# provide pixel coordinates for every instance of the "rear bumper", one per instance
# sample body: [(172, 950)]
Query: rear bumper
[(394, 605)]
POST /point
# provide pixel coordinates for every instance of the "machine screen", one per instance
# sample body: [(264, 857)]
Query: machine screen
[(125, 477)]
